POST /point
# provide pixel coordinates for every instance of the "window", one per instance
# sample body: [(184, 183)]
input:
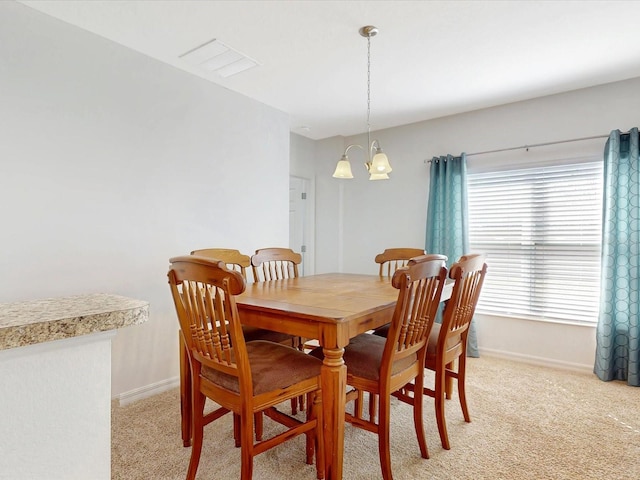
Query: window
[(541, 230)]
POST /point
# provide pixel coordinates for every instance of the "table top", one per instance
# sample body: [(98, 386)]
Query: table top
[(329, 297)]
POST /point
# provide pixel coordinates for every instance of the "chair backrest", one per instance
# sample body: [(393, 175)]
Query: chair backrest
[(275, 264), (420, 285), (468, 273), (232, 258), (203, 292), (393, 258)]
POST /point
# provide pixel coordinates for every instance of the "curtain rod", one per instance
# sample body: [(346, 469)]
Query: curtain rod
[(535, 145), (538, 145)]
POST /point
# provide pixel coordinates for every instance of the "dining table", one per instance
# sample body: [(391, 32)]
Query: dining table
[(331, 308)]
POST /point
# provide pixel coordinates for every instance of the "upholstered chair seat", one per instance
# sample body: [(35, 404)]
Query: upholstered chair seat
[(263, 355), (252, 334), (363, 357)]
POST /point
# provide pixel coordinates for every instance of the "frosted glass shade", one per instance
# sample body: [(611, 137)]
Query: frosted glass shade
[(343, 168), (380, 163), (378, 176)]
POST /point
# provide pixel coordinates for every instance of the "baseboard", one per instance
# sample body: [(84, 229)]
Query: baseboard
[(147, 391), (533, 360)]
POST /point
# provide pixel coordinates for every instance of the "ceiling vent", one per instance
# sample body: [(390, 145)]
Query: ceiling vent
[(216, 57)]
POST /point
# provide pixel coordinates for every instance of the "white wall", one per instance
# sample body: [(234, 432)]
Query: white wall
[(378, 215), (329, 207), (111, 163)]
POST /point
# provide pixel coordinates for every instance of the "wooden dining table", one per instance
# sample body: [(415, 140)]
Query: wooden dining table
[(332, 308)]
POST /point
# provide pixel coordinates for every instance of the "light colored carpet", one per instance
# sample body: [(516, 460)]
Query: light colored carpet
[(528, 422)]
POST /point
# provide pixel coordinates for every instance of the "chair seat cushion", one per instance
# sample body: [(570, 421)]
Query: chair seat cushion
[(433, 340), (254, 333), (363, 357), (382, 331), (273, 367)]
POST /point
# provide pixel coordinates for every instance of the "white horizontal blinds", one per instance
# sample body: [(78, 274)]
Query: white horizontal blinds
[(541, 230)]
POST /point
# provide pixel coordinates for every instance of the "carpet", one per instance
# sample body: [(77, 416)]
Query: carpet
[(527, 422)]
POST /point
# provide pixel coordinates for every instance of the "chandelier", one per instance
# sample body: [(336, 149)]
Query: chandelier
[(377, 163)]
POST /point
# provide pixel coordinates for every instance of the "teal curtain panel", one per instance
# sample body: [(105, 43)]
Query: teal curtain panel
[(447, 217), (618, 330)]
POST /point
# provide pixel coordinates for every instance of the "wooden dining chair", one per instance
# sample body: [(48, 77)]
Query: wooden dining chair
[(275, 264), (447, 344), (240, 377), (448, 341), (393, 258), (383, 366)]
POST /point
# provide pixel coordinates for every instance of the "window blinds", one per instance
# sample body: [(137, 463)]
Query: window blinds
[(541, 231)]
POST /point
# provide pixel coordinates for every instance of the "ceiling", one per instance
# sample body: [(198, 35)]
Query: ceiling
[(430, 58)]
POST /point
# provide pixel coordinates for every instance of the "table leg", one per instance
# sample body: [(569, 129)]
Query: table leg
[(185, 392), (334, 387)]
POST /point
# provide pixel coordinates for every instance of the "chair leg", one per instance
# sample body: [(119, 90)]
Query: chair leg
[(297, 403), (417, 414), (301, 397), (246, 445), (449, 380), (185, 392), (358, 404), (384, 414), (310, 435), (317, 407), (440, 387), (259, 428), (197, 432), (462, 393), (373, 407), (236, 429)]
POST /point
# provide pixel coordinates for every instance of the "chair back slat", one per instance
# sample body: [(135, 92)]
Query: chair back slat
[(420, 284), (218, 319), (275, 264), (209, 334), (426, 291), (393, 258)]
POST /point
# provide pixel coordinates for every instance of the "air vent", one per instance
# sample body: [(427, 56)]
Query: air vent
[(216, 57)]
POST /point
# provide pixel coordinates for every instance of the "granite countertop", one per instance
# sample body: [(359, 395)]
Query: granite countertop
[(38, 321)]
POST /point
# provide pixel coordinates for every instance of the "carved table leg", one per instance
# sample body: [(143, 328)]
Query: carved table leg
[(334, 379)]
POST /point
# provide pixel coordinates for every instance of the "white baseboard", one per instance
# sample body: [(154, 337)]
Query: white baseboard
[(147, 391), (533, 360)]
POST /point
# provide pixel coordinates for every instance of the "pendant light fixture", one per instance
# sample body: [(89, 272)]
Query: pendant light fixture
[(377, 163)]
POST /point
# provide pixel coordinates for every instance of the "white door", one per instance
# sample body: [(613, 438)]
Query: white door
[(298, 218)]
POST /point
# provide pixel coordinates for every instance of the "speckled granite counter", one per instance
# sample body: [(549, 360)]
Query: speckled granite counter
[(55, 367), (37, 321)]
